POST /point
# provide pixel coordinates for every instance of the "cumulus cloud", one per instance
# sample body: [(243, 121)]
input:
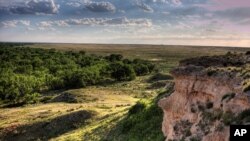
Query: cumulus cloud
[(35, 7), (74, 4), (144, 6), (122, 21), (100, 6), (14, 23), (45, 24)]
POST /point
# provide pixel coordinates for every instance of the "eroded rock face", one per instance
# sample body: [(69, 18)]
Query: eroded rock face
[(202, 106)]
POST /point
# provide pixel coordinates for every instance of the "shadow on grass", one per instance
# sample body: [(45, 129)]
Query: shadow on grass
[(46, 130), (143, 124)]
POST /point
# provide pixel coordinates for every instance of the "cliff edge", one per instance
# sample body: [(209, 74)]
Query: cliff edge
[(210, 94)]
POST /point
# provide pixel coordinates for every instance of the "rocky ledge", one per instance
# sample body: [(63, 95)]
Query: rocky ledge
[(210, 94)]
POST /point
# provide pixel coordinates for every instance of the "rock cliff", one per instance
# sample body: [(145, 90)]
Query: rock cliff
[(208, 97)]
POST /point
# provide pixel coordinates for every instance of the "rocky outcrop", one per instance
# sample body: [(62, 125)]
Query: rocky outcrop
[(202, 105)]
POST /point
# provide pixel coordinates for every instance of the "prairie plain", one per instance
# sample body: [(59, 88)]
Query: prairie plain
[(108, 111)]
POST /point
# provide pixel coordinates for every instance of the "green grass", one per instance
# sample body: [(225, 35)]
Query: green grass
[(143, 124)]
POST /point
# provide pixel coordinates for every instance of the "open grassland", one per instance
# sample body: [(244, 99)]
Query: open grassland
[(166, 57), (108, 111)]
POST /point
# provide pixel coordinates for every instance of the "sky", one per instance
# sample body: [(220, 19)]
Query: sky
[(163, 22)]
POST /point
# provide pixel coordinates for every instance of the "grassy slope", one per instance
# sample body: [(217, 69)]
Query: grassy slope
[(109, 104)]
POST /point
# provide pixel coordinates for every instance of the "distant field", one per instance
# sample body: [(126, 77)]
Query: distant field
[(165, 56)]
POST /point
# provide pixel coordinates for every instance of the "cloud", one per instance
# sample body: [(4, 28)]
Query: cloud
[(227, 4), (122, 21), (100, 6), (25, 22), (234, 14), (188, 10), (176, 2), (144, 6), (245, 22), (35, 7), (45, 24), (170, 2), (14, 23), (74, 4)]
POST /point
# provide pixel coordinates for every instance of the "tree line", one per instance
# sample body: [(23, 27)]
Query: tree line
[(26, 72)]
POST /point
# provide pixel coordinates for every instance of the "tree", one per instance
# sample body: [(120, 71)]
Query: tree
[(114, 57), (141, 69), (122, 72)]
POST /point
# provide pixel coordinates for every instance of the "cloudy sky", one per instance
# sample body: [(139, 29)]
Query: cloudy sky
[(171, 22)]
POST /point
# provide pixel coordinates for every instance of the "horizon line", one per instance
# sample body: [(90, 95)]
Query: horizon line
[(78, 43)]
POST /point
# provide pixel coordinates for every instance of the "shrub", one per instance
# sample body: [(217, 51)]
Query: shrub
[(32, 98)]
